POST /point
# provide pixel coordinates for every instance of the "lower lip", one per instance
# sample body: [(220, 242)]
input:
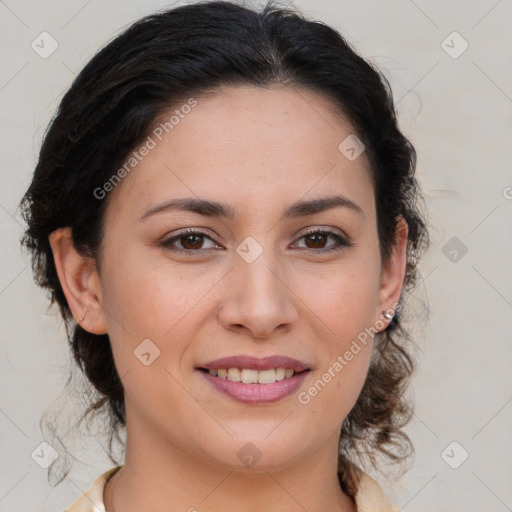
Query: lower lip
[(256, 393)]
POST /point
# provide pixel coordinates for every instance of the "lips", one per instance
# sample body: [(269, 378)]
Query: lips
[(255, 380)]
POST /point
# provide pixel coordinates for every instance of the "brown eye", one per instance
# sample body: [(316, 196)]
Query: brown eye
[(189, 241), (317, 241)]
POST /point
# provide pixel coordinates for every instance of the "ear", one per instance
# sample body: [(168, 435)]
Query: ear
[(80, 282), (393, 273)]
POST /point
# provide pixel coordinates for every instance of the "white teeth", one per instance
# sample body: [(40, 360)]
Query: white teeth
[(267, 376), (249, 376), (234, 375)]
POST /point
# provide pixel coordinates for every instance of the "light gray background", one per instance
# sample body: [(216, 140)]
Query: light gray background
[(457, 112)]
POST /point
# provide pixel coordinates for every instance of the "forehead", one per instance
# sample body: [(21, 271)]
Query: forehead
[(245, 144)]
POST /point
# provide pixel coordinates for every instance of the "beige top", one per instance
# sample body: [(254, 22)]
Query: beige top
[(369, 498)]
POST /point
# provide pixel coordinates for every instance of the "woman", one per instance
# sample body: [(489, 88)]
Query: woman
[(225, 211)]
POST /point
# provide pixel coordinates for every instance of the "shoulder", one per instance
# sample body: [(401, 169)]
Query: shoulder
[(92, 499), (370, 497)]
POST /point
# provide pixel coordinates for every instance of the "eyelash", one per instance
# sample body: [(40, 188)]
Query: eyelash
[(340, 241)]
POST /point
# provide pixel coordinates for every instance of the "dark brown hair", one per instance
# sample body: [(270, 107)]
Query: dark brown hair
[(116, 99)]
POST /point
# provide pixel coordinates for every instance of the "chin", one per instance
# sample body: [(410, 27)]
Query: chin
[(254, 454)]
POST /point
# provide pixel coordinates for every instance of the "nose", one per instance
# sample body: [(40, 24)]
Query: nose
[(258, 299)]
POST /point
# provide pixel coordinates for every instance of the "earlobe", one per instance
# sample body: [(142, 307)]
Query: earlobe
[(79, 281), (393, 273)]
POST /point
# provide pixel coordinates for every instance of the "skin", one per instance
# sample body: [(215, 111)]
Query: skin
[(257, 150)]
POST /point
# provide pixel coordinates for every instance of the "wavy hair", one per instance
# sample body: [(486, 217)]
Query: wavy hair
[(131, 82)]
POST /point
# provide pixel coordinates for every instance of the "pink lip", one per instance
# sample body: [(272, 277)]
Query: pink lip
[(254, 363), (256, 393)]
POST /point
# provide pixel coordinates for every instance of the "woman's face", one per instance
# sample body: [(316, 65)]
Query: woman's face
[(252, 284)]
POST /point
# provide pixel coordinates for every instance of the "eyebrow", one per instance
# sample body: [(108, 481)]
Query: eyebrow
[(215, 209)]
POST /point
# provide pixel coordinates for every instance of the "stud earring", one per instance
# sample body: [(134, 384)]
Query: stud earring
[(387, 316)]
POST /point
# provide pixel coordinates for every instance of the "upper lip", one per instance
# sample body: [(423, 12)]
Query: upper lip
[(256, 363)]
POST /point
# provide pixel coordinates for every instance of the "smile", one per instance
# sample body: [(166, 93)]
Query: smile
[(255, 380), (249, 376)]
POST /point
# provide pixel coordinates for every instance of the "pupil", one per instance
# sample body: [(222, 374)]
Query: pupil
[(317, 237), (189, 240)]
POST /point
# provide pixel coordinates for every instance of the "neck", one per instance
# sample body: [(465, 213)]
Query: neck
[(157, 474)]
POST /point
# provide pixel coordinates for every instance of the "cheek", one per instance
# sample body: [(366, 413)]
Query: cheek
[(159, 303), (332, 394), (150, 300), (344, 297), (345, 301), (149, 322), (139, 305)]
